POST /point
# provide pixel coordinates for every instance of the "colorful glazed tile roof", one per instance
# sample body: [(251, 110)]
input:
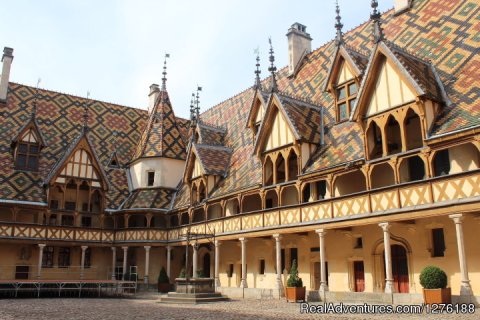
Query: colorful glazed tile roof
[(158, 198), (161, 137), (213, 158), (209, 135)]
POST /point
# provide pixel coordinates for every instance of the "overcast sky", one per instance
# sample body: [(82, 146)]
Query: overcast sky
[(115, 49)]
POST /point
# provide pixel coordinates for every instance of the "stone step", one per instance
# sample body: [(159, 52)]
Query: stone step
[(193, 295), (184, 298)]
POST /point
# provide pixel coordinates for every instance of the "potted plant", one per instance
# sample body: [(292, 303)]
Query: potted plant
[(434, 283), (200, 274), (295, 291), (182, 273), (163, 281)]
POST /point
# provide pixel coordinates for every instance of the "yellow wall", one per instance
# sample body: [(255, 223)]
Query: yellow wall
[(345, 73), (280, 133), (390, 90)]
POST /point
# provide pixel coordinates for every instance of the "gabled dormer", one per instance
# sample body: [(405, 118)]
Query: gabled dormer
[(257, 111), (206, 166), (343, 79), (26, 146), (398, 100)]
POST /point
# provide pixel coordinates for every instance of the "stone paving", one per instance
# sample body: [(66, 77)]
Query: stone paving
[(59, 308)]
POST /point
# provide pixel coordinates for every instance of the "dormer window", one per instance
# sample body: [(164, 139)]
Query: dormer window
[(345, 99), (150, 178), (27, 152)]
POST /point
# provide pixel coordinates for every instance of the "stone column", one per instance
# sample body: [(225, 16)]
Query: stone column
[(169, 257), (82, 262), (41, 246), (124, 266), (388, 257), (323, 263), (114, 261), (147, 263), (194, 260), (278, 255), (243, 283), (465, 288), (217, 263)]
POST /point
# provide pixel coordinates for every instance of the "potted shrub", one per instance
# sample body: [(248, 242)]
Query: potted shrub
[(163, 281), (295, 291), (434, 283)]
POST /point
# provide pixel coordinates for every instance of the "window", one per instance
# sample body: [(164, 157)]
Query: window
[(358, 243), (67, 220), (262, 266), (47, 259), (230, 270), (441, 163), (438, 241), (88, 258), (345, 99), (27, 152), (70, 205), (63, 257), (150, 178), (86, 222)]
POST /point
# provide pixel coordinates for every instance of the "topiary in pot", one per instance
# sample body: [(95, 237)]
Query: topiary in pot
[(434, 283), (295, 291), (163, 281)]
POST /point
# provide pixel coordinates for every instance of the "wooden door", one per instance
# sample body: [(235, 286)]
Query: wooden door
[(400, 269), (359, 276), (206, 265), (316, 275)]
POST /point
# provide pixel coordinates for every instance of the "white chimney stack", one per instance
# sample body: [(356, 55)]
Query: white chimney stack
[(152, 96), (402, 6), (299, 44), (7, 59)]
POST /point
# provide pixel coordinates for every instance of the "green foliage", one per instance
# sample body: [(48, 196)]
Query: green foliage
[(162, 277), (433, 277), (182, 273), (200, 274), (294, 280)]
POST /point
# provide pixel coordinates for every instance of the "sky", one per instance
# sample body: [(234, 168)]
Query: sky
[(115, 49)]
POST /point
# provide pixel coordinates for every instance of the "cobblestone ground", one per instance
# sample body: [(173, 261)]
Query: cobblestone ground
[(57, 308)]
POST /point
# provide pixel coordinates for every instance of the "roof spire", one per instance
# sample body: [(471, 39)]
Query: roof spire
[(197, 104), (258, 83), (192, 110), (376, 17), (338, 25), (272, 67), (34, 107), (164, 79), (85, 114)]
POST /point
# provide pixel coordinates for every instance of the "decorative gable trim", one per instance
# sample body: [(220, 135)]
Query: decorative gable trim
[(31, 124), (341, 53), (252, 115)]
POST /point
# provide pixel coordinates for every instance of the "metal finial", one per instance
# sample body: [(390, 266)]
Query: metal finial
[(376, 17), (272, 67), (258, 83), (34, 106), (197, 104), (85, 114), (164, 79), (338, 25)]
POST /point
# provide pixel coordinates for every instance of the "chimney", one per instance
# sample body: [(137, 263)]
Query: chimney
[(402, 5), (299, 44), (7, 59), (152, 96)]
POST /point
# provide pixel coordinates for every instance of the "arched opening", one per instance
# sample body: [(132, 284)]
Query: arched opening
[(232, 207), (198, 215), (382, 175), (96, 201), (441, 163), (268, 172), (349, 183), (413, 130), (314, 191), (252, 202), (185, 218), (206, 265), (393, 136), (108, 223), (6, 215), (280, 169), (71, 196), (137, 221), (194, 194), (271, 199), (174, 220), (461, 158), (306, 193), (120, 222), (214, 211), (202, 192), (158, 221), (292, 162), (56, 197), (84, 197), (399, 268), (289, 196), (374, 141), (412, 169)]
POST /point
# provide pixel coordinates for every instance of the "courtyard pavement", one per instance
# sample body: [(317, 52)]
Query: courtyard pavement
[(59, 308)]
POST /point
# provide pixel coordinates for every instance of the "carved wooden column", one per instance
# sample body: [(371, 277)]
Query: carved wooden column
[(169, 257), (114, 261), (125, 250), (217, 263), (147, 263), (278, 258)]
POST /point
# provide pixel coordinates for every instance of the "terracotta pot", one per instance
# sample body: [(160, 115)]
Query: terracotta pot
[(295, 294), (437, 295), (164, 287)]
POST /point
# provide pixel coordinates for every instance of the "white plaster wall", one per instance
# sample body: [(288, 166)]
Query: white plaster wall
[(168, 172)]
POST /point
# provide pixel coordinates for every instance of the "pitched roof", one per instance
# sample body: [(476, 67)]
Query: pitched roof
[(31, 122), (210, 135), (161, 137), (214, 159), (149, 198)]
